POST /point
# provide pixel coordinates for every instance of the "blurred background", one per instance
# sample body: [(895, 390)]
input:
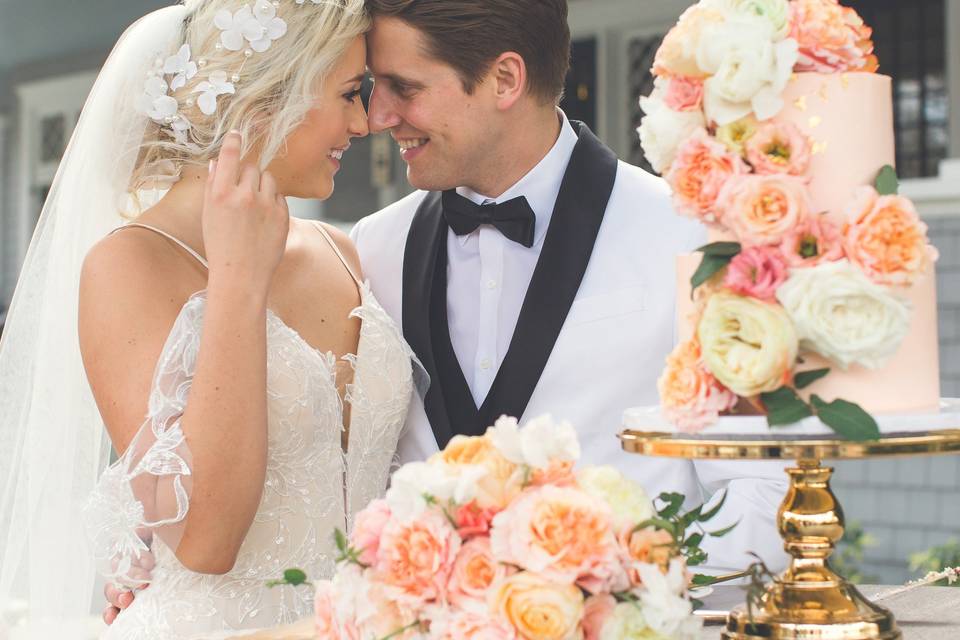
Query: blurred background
[(50, 52)]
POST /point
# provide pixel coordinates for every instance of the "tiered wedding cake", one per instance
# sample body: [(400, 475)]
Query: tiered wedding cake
[(816, 295)]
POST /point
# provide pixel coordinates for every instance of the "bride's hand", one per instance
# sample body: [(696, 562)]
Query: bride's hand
[(245, 221)]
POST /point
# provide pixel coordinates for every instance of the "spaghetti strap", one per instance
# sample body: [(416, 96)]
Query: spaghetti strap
[(339, 253), (166, 235)]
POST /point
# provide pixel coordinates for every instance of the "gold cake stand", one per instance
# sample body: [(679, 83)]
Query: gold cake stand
[(809, 600)]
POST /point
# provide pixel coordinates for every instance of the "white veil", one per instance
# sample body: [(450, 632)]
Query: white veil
[(53, 446)]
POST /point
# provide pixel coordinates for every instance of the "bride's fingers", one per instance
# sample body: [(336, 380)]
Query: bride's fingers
[(228, 164), (268, 186), (250, 179), (112, 594), (110, 614)]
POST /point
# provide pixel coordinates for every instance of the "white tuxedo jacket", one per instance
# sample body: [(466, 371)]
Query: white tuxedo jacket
[(612, 336)]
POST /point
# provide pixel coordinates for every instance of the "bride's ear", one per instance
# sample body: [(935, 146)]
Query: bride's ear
[(508, 73)]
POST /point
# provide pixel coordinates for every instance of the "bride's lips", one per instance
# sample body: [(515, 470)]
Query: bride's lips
[(336, 155)]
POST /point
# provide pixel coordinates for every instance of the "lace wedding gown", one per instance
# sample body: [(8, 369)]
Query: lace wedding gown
[(312, 486)]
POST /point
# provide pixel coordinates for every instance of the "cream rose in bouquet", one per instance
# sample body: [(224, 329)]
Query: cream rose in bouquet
[(500, 537)]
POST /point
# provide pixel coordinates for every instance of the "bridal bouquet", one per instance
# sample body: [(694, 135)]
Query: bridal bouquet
[(499, 537), (786, 279)]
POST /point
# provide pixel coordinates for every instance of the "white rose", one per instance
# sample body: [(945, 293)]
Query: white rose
[(413, 482), (749, 69), (844, 316), (662, 130), (627, 499), (626, 622), (539, 442), (776, 12)]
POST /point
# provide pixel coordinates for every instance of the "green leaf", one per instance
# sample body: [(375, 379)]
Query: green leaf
[(702, 580), (696, 556), (784, 407), (709, 266), (696, 604), (694, 540), (674, 503), (715, 510), (657, 523), (847, 419), (721, 249), (724, 531), (690, 517), (887, 182), (294, 577), (806, 378), (341, 541)]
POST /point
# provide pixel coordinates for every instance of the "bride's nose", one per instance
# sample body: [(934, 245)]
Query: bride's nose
[(359, 124)]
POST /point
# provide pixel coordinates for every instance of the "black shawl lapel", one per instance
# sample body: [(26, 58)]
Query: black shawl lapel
[(577, 216), (428, 233)]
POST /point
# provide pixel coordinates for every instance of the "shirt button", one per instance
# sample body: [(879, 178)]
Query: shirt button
[(491, 284), (485, 364)]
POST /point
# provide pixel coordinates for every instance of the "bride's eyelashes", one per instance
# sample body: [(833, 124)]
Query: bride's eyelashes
[(352, 96)]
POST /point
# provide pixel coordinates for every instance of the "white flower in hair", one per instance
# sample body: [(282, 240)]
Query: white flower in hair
[(181, 65), (260, 27), (155, 102), (217, 85)]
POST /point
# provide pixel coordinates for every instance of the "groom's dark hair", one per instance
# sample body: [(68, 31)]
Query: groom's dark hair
[(470, 34)]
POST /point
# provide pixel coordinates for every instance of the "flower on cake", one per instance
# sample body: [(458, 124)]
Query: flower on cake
[(677, 55), (778, 147), (832, 38), (690, 396), (662, 129), (841, 314), (763, 209), (885, 237), (684, 94), (735, 135), (701, 169), (750, 346), (747, 69), (776, 12), (757, 272), (814, 240)]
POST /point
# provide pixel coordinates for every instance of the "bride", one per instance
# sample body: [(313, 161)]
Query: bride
[(250, 381)]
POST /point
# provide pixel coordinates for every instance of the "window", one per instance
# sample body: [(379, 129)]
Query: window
[(580, 90), (640, 54)]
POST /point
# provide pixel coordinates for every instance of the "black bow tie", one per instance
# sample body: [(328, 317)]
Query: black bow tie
[(514, 218)]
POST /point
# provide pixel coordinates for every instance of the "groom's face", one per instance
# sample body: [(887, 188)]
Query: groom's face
[(442, 130)]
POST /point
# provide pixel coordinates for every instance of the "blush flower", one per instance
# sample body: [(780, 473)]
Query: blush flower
[(757, 272), (761, 210), (832, 38), (779, 148), (815, 240)]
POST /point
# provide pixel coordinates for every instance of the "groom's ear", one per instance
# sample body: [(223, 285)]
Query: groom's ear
[(508, 77)]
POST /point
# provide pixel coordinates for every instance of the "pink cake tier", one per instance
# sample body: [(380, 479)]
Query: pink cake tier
[(848, 119)]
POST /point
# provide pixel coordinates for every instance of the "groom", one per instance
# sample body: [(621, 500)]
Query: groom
[(533, 272)]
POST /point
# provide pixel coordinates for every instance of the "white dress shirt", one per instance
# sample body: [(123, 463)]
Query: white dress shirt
[(488, 274)]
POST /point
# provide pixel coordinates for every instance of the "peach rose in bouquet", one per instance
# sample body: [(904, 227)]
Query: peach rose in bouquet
[(885, 237), (763, 209), (498, 485), (690, 396), (469, 625), (538, 608), (474, 572)]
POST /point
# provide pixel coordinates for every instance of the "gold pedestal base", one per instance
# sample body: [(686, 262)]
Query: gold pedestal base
[(809, 601)]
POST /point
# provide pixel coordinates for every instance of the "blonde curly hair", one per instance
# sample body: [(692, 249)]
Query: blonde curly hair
[(275, 88)]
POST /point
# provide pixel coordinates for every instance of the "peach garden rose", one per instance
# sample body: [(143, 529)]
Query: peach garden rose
[(779, 147), (537, 608), (561, 533), (469, 625), (698, 174), (885, 237), (495, 489), (832, 38), (761, 209), (475, 570), (691, 397)]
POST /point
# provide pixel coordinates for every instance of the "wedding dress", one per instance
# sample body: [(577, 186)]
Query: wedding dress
[(312, 485)]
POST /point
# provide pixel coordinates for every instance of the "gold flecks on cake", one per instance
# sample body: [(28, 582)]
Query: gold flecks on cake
[(818, 147), (815, 121), (801, 103), (845, 80)]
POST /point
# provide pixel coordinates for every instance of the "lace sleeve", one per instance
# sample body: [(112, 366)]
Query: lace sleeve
[(145, 494)]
